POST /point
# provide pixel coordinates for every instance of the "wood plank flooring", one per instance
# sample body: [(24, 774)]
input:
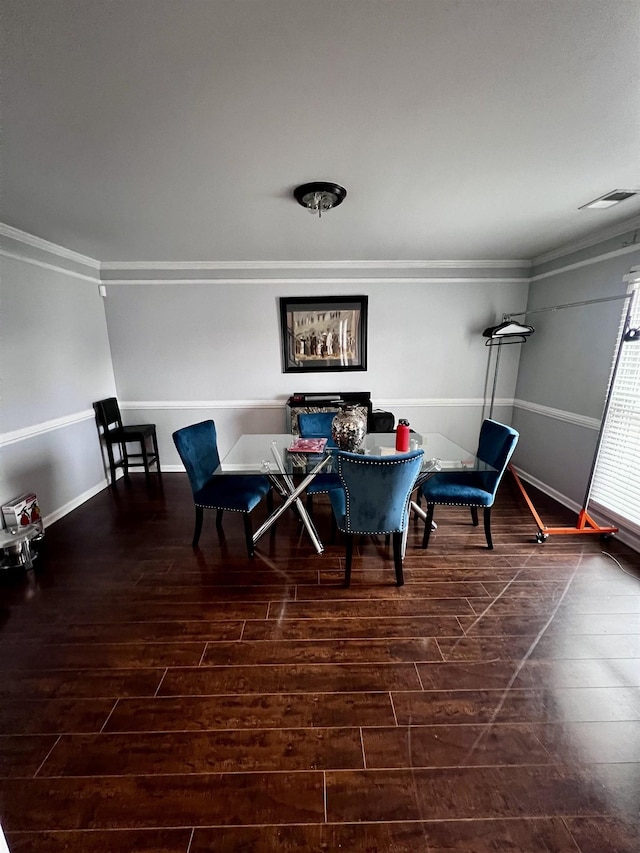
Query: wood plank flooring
[(163, 700)]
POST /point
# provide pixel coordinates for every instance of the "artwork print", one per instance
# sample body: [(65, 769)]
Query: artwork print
[(323, 334)]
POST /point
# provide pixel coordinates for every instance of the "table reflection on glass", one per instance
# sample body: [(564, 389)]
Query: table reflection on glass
[(291, 473)]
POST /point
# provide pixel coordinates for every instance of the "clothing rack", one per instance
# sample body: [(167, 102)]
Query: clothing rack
[(585, 523)]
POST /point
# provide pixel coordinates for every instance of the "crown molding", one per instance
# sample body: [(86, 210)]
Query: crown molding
[(380, 266), (317, 282), (587, 242), (327, 272), (46, 246), (596, 259), (25, 259), (313, 265)]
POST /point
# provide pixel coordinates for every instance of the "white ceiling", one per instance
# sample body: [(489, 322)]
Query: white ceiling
[(176, 130)]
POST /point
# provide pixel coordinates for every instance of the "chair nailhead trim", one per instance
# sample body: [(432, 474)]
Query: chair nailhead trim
[(369, 533), (447, 503), (405, 515), (215, 506)]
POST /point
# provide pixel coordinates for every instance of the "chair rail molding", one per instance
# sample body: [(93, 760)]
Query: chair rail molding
[(438, 402), (45, 426), (435, 402), (160, 405), (558, 414), (25, 433)]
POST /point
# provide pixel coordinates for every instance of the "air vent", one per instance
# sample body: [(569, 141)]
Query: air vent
[(614, 197)]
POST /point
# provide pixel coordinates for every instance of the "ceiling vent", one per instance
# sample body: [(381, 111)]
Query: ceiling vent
[(614, 197)]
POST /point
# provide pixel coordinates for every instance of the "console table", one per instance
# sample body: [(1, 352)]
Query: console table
[(326, 402)]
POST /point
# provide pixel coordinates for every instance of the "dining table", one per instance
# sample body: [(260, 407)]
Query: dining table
[(291, 471)]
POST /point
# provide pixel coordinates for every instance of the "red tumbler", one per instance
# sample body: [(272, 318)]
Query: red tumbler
[(402, 436)]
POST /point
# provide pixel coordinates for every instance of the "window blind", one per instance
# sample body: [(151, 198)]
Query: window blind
[(616, 481)]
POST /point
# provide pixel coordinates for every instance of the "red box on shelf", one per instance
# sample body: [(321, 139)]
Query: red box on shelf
[(22, 511)]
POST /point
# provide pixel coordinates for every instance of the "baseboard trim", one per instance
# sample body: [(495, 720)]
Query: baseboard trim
[(625, 534), (65, 509), (547, 490)]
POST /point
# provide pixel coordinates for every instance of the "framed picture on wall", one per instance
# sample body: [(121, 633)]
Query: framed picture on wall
[(323, 334)]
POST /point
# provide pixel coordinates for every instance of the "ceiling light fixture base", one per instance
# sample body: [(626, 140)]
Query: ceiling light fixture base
[(319, 196)]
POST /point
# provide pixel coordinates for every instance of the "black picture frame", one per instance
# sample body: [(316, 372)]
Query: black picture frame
[(323, 334)]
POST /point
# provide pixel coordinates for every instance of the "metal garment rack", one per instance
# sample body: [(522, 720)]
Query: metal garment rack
[(584, 523)]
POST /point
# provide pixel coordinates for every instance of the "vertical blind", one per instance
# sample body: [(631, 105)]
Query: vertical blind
[(616, 480)]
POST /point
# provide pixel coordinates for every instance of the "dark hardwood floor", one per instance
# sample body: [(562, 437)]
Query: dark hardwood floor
[(162, 700)]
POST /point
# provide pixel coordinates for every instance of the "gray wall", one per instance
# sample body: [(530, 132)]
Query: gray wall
[(55, 360), (176, 351), (183, 352), (565, 366)]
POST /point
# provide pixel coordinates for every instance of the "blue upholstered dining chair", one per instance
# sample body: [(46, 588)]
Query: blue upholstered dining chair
[(473, 488), (318, 425), (198, 448), (374, 499)]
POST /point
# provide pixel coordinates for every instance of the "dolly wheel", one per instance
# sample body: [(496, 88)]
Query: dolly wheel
[(541, 537)]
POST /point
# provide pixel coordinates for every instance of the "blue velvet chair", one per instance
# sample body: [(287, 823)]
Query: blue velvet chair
[(374, 499), (318, 425), (198, 448), (473, 488)]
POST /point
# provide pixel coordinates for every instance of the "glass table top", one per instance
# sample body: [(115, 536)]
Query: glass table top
[(258, 454)]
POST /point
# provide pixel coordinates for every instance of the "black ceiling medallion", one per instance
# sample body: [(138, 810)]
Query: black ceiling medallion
[(319, 196)]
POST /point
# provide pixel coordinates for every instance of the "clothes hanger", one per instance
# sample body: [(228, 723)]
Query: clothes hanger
[(503, 340), (508, 328)]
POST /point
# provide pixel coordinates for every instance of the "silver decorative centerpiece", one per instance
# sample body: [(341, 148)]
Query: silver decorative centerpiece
[(349, 427)]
